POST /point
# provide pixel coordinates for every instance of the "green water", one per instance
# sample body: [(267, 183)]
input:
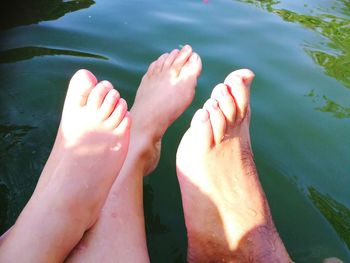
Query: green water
[(299, 50)]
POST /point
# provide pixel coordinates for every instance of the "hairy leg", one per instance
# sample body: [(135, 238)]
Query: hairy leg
[(226, 212)]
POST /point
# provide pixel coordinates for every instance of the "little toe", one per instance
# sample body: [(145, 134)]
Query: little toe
[(79, 88), (117, 115), (109, 104), (217, 119), (182, 58), (151, 68), (124, 126), (239, 84), (201, 129), (98, 94), (226, 102), (192, 67), (160, 63)]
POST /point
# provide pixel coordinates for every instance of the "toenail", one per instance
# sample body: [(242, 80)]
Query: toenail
[(113, 92), (204, 116), (194, 57), (106, 84), (186, 47), (224, 91), (215, 105)]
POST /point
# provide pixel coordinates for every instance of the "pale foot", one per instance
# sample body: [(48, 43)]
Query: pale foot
[(165, 92), (226, 212), (90, 148)]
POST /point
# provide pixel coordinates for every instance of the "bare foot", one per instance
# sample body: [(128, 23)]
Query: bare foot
[(226, 212), (165, 92), (90, 148)]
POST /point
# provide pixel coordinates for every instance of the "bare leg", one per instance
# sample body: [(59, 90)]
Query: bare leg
[(90, 148), (165, 92), (226, 212)]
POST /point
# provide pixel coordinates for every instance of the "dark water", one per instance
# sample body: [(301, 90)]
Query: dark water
[(299, 50)]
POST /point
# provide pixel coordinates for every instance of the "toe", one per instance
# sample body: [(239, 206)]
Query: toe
[(201, 130), (171, 58), (124, 126), (80, 87), (239, 84), (98, 94), (226, 102), (117, 115), (150, 70), (217, 119), (109, 104), (160, 63), (182, 58), (192, 67)]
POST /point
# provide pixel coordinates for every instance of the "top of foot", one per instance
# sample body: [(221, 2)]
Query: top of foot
[(89, 150), (226, 212), (166, 90)]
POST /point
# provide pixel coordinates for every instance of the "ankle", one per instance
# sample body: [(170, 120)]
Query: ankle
[(145, 149), (266, 246)]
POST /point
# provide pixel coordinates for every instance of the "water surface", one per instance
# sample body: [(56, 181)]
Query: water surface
[(299, 51)]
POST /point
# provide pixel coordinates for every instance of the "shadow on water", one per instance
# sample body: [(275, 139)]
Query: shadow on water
[(334, 55), (155, 229), (22, 12), (25, 53), (336, 213), (154, 225)]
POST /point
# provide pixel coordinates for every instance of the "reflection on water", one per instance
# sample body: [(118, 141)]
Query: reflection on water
[(23, 12), (334, 55), (338, 111), (24, 53), (336, 213)]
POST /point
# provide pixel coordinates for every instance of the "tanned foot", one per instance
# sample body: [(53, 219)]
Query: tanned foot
[(166, 90), (226, 212), (90, 148)]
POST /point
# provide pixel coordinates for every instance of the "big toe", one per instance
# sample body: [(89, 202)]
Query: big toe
[(239, 82), (192, 68), (79, 88), (201, 130), (181, 58)]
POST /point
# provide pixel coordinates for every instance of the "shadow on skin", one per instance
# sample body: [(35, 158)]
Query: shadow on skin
[(79, 168), (214, 246)]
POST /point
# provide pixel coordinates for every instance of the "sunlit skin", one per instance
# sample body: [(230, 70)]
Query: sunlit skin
[(90, 148), (166, 90), (226, 212)]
